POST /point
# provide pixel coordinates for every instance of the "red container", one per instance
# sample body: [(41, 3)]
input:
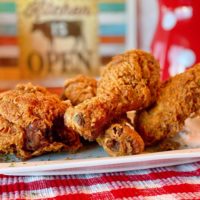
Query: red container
[(176, 43)]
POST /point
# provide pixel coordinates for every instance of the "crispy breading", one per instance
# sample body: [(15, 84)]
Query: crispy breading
[(178, 98), (32, 123), (79, 88), (129, 82), (132, 77), (121, 139)]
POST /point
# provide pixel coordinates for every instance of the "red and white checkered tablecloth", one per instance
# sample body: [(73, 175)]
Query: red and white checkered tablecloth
[(166, 183)]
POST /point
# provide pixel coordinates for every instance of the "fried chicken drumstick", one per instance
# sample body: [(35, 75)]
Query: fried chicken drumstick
[(120, 139), (32, 123), (129, 82), (179, 97)]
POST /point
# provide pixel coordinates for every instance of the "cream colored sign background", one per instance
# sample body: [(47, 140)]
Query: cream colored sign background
[(63, 51)]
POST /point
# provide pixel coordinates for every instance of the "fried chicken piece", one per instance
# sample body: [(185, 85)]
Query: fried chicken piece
[(129, 82), (32, 123), (79, 88), (121, 139), (178, 98)]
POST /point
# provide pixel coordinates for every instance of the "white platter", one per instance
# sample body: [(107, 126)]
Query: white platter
[(95, 160)]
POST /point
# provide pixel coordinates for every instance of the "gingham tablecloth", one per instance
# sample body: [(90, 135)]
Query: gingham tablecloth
[(167, 183)]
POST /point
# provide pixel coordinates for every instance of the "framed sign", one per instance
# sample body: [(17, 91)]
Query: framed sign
[(58, 38)]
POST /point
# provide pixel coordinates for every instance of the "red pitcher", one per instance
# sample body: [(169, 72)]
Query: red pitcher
[(176, 43)]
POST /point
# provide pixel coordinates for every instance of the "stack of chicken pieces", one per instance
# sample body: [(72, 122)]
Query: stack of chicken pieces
[(33, 121)]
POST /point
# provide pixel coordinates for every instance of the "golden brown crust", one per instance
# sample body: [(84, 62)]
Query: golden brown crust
[(79, 88), (27, 117), (121, 139), (86, 118), (178, 98), (27, 102), (129, 82), (133, 76)]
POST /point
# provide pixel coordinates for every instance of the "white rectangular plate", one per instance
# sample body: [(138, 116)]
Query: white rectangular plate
[(95, 160)]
